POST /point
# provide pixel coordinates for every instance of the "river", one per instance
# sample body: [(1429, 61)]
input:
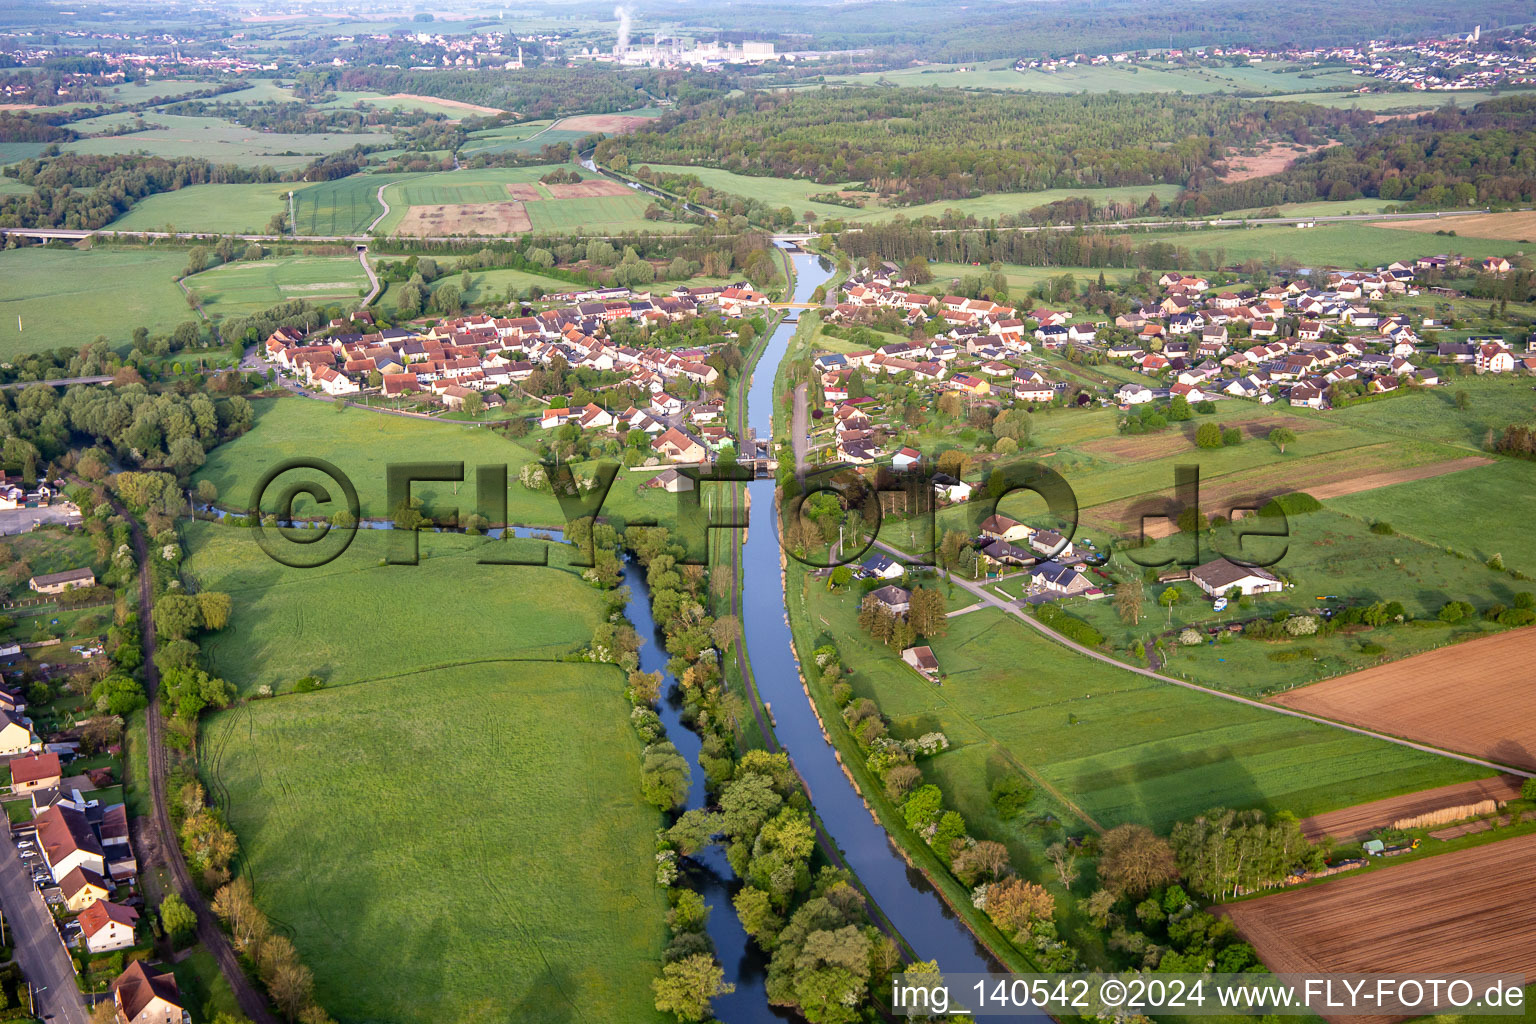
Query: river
[(906, 898)]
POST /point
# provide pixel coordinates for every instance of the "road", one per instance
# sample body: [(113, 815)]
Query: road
[(800, 432), (30, 927), (57, 382), (1119, 225), (252, 1002), (384, 203), (373, 279), (1011, 608)]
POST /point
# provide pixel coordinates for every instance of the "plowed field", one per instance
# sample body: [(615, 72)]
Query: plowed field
[(1477, 698)]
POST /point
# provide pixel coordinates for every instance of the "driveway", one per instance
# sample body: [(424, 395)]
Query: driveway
[(41, 955)]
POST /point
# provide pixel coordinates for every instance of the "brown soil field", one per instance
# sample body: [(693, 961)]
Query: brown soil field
[(589, 189), (455, 104), (1517, 226), (1141, 447), (1358, 821), (1333, 472), (613, 124), (1274, 158), (1477, 698), (1371, 481), (1471, 911), (463, 218), (525, 193)]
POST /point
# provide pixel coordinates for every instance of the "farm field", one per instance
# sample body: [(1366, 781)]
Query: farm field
[(1145, 78), (1359, 821), (289, 623), (345, 206), (363, 443), (1119, 746), (1329, 244), (1475, 698), (451, 109), (233, 289), (1517, 226), (484, 763), (1395, 101), (233, 209), (66, 297), (216, 140), (434, 204), (792, 192), (12, 152), (526, 137), (1466, 911)]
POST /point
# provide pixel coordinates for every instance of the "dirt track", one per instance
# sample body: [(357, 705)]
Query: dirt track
[(1469, 911), (1371, 481), (1358, 821), (1476, 698)]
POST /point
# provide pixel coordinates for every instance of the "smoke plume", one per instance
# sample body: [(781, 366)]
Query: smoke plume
[(622, 13)]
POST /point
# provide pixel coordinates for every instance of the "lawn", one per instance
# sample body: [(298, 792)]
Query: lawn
[(233, 209), (241, 288), (66, 297), (477, 829), (355, 619), (204, 990), (1118, 746), (214, 139)]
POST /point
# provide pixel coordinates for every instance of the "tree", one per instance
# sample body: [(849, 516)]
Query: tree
[(291, 986), (177, 918), (1463, 400), (448, 299), (1168, 598), (1208, 436), (686, 987), (177, 616), (1282, 436), (725, 631), (1130, 596), (663, 776), (207, 492), (1014, 905), (1179, 410), (1064, 859), (1134, 860)]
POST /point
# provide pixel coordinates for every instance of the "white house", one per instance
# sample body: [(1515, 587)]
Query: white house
[(107, 926), (905, 459), (1218, 577)]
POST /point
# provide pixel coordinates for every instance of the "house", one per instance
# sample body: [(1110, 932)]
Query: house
[(905, 459), (669, 480), (15, 736), (397, 384), (142, 997), (1494, 265), (40, 771), (950, 489), (82, 888), (1493, 357), (996, 527), (1066, 580), (1051, 544), (677, 446), (922, 661), (881, 567), (68, 842), (1134, 394), (893, 599), (1219, 577), (107, 926), (58, 582)]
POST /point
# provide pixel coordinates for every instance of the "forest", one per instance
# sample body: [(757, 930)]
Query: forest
[(1447, 157), (922, 145)]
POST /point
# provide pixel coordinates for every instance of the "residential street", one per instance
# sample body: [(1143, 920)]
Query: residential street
[(29, 926)]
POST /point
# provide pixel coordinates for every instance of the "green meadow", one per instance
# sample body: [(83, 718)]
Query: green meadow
[(232, 209), (1328, 244), (214, 139), (411, 822), (67, 297), (364, 443), (241, 287), (1118, 746), (345, 206)]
